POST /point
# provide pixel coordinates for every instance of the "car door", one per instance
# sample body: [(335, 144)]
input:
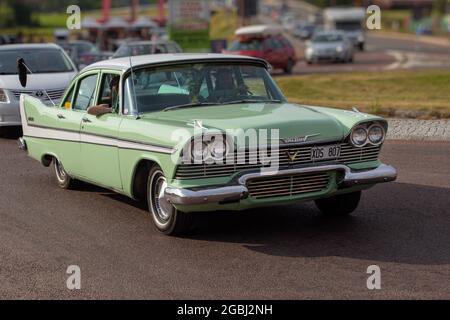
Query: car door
[(68, 122), (99, 151)]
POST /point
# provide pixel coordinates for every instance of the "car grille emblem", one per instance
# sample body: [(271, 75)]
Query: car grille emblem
[(39, 94), (300, 138), (292, 156)]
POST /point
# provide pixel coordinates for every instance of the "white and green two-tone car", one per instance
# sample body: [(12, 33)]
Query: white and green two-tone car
[(193, 133)]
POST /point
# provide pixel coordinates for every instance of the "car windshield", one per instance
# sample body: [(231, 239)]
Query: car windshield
[(254, 44), (38, 60), (348, 25), (327, 38), (195, 85)]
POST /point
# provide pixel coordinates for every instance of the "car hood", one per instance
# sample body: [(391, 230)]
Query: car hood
[(38, 81), (326, 45), (291, 120)]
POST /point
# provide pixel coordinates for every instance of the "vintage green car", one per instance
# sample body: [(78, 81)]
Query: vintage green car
[(193, 133)]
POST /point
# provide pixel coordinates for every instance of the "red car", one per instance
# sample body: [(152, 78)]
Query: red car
[(267, 43)]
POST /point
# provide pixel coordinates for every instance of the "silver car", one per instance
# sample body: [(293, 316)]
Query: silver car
[(139, 48), (329, 46), (51, 73)]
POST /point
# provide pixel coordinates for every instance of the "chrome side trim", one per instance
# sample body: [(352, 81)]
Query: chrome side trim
[(180, 196), (44, 132)]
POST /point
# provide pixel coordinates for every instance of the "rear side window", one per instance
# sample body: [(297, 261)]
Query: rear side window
[(86, 92), (246, 45), (285, 42)]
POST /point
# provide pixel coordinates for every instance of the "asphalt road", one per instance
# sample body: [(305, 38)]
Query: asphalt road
[(284, 252)]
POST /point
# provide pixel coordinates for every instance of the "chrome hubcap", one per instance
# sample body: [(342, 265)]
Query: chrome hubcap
[(161, 206), (60, 172)]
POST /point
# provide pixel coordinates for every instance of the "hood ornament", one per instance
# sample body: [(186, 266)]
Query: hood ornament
[(299, 138)]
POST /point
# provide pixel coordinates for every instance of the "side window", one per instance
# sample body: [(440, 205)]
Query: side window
[(109, 91), (67, 104), (269, 44), (160, 48), (86, 92), (254, 81), (285, 42), (276, 43)]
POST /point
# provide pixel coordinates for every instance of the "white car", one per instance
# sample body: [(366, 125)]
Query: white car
[(51, 71)]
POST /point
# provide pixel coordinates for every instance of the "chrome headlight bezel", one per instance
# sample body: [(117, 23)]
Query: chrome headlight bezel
[(367, 127), (208, 144), (364, 131), (383, 134)]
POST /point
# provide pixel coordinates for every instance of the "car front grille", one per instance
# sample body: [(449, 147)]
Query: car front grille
[(292, 185), (349, 155), (55, 94)]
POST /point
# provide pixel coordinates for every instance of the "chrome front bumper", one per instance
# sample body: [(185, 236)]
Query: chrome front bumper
[(239, 191)]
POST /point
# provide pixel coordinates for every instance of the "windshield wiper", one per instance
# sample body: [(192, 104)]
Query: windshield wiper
[(190, 105), (252, 101)]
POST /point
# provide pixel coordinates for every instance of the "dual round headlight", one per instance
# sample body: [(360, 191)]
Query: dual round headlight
[(362, 135), (211, 148)]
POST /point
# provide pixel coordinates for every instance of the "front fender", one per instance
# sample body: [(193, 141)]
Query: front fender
[(349, 119)]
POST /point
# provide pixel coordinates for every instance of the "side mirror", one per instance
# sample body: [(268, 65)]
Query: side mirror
[(22, 70)]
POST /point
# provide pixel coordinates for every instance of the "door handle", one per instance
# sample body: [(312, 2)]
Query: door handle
[(60, 116), (86, 120)]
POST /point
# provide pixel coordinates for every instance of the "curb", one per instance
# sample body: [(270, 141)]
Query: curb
[(419, 130), (401, 36)]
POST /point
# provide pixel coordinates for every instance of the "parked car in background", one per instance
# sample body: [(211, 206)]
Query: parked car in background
[(52, 70), (82, 53), (265, 42), (348, 20), (331, 46), (139, 48), (171, 130), (304, 31)]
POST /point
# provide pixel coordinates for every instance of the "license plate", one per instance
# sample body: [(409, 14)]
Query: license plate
[(326, 152)]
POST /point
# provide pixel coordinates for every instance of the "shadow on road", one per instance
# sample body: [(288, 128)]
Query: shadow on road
[(401, 223)]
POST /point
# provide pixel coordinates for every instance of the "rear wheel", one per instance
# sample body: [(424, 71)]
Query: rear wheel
[(289, 67), (63, 179), (340, 205), (166, 218)]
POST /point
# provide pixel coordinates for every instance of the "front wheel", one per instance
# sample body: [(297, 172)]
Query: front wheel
[(166, 218), (340, 205), (63, 179)]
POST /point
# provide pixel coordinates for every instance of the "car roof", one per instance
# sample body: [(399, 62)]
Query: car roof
[(30, 46), (258, 30), (149, 42), (169, 58)]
